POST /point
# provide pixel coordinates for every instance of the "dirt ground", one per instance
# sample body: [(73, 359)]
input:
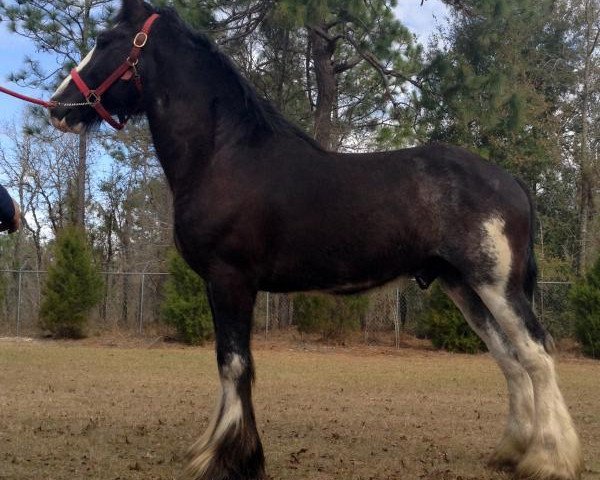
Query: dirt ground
[(74, 411)]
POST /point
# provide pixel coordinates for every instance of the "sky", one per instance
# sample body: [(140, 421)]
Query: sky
[(13, 50), (421, 20)]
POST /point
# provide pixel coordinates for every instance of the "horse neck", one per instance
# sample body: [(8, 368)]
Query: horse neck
[(200, 108), (181, 110)]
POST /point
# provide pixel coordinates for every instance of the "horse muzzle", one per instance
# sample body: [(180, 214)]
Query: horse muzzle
[(63, 126)]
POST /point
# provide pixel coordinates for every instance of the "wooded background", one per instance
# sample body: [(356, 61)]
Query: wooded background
[(515, 80)]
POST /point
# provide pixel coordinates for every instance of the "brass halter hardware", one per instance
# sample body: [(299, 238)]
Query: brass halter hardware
[(92, 98), (140, 39)]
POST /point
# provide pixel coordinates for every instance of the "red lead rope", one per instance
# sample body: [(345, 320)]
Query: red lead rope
[(37, 101), (126, 71)]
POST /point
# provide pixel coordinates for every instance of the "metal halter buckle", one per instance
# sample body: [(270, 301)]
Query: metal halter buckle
[(140, 39), (92, 98)]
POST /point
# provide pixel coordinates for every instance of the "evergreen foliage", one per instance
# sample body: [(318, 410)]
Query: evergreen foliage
[(185, 305), (200, 15), (64, 28), (445, 325), (585, 303), (7, 261), (373, 57), (491, 89), (331, 317), (73, 285)]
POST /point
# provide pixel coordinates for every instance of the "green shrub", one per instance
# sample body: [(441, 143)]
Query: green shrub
[(73, 285), (585, 303), (446, 327), (185, 305), (331, 317)]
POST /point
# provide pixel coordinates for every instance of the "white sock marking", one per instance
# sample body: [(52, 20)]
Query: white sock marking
[(230, 407)]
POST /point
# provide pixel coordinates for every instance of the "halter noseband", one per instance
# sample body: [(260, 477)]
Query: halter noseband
[(126, 71)]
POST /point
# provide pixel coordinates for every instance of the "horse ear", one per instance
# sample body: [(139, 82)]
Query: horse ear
[(132, 10)]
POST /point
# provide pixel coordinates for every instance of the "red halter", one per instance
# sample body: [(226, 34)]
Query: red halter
[(126, 71)]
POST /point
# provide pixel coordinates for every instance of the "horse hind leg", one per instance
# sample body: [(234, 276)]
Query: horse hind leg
[(519, 426), (230, 449), (554, 451)]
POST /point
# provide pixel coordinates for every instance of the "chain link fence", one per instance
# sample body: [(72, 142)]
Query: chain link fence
[(551, 302), (132, 303)]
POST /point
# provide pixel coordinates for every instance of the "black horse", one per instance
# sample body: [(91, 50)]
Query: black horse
[(260, 206)]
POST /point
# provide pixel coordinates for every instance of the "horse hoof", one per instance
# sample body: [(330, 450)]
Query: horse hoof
[(550, 464), (502, 464), (227, 461), (507, 454)]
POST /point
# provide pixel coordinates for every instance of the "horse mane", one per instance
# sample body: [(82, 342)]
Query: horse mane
[(260, 115)]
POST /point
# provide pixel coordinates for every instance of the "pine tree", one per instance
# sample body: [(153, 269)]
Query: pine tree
[(500, 86), (445, 326), (67, 30), (185, 305), (339, 68), (497, 94), (586, 17), (585, 303), (362, 60), (333, 317), (73, 285)]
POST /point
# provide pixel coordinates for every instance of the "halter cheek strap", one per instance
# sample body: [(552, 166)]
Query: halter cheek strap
[(126, 71)]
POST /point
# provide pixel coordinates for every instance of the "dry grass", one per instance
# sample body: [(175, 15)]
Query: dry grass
[(71, 412)]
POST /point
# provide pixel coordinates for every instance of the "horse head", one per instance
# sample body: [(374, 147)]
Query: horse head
[(108, 81)]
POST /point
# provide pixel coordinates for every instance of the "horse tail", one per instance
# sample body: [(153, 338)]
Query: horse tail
[(531, 271)]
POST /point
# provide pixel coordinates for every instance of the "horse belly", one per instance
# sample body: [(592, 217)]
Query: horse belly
[(339, 267)]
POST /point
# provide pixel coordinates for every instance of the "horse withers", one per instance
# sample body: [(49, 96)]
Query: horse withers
[(259, 205)]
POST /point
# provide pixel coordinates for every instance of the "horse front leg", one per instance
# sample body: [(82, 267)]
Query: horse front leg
[(230, 449)]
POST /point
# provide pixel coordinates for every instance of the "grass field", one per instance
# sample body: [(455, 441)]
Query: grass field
[(73, 412)]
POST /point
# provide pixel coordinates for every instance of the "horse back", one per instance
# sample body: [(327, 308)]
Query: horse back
[(300, 219)]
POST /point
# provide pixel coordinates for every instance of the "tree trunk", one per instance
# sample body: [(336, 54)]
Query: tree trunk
[(586, 184), (586, 207), (126, 265), (322, 51), (282, 78), (81, 174)]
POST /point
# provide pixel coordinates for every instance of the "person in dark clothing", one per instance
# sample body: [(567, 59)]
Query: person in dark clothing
[(10, 215)]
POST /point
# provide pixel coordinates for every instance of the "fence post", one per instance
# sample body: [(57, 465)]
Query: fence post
[(541, 289), (19, 303), (141, 315), (268, 318), (397, 319)]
